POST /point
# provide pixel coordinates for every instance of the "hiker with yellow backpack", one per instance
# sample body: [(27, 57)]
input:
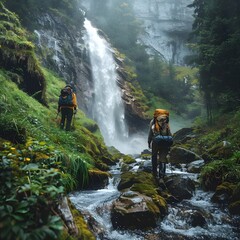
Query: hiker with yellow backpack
[(67, 105), (159, 139)]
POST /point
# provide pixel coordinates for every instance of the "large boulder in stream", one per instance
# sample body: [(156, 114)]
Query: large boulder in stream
[(181, 155), (133, 210), (180, 188)]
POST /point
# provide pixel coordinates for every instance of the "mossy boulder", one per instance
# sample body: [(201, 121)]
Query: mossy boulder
[(128, 179), (196, 166), (128, 159), (182, 155), (97, 179), (145, 184), (223, 193), (133, 210)]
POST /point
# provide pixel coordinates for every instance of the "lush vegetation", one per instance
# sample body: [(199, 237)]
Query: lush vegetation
[(217, 36), (41, 162)]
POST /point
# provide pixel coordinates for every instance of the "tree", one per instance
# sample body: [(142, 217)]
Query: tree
[(217, 28)]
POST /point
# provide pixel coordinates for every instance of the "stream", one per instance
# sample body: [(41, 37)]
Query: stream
[(95, 206)]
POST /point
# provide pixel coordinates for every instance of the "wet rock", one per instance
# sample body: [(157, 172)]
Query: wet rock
[(133, 210), (197, 219), (180, 188), (146, 166), (196, 166), (94, 226), (67, 217), (182, 155)]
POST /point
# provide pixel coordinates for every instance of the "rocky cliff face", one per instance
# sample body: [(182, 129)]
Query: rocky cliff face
[(167, 24)]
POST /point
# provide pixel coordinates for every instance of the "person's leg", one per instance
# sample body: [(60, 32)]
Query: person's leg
[(62, 123), (162, 162), (162, 169), (154, 159), (69, 118)]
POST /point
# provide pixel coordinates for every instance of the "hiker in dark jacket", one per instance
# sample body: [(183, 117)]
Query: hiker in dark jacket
[(159, 125), (67, 105)]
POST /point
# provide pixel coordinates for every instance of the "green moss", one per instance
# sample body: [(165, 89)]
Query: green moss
[(84, 232), (153, 208), (141, 182), (216, 172), (17, 55), (128, 159), (144, 188), (116, 155)]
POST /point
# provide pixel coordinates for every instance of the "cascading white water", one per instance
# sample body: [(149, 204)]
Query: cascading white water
[(107, 109)]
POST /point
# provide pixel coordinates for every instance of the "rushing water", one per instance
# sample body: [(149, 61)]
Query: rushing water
[(107, 107), (96, 203)]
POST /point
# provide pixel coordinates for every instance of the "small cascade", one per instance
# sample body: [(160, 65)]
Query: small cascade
[(95, 205), (107, 106), (216, 222)]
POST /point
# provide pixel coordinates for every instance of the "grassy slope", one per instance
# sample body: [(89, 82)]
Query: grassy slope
[(45, 141), (42, 123)]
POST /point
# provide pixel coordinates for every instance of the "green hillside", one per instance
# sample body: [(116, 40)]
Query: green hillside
[(39, 161)]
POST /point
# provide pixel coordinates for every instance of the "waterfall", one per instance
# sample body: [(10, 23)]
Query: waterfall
[(107, 105)]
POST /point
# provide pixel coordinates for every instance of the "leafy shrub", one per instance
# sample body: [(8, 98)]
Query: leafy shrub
[(216, 172), (29, 194)]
